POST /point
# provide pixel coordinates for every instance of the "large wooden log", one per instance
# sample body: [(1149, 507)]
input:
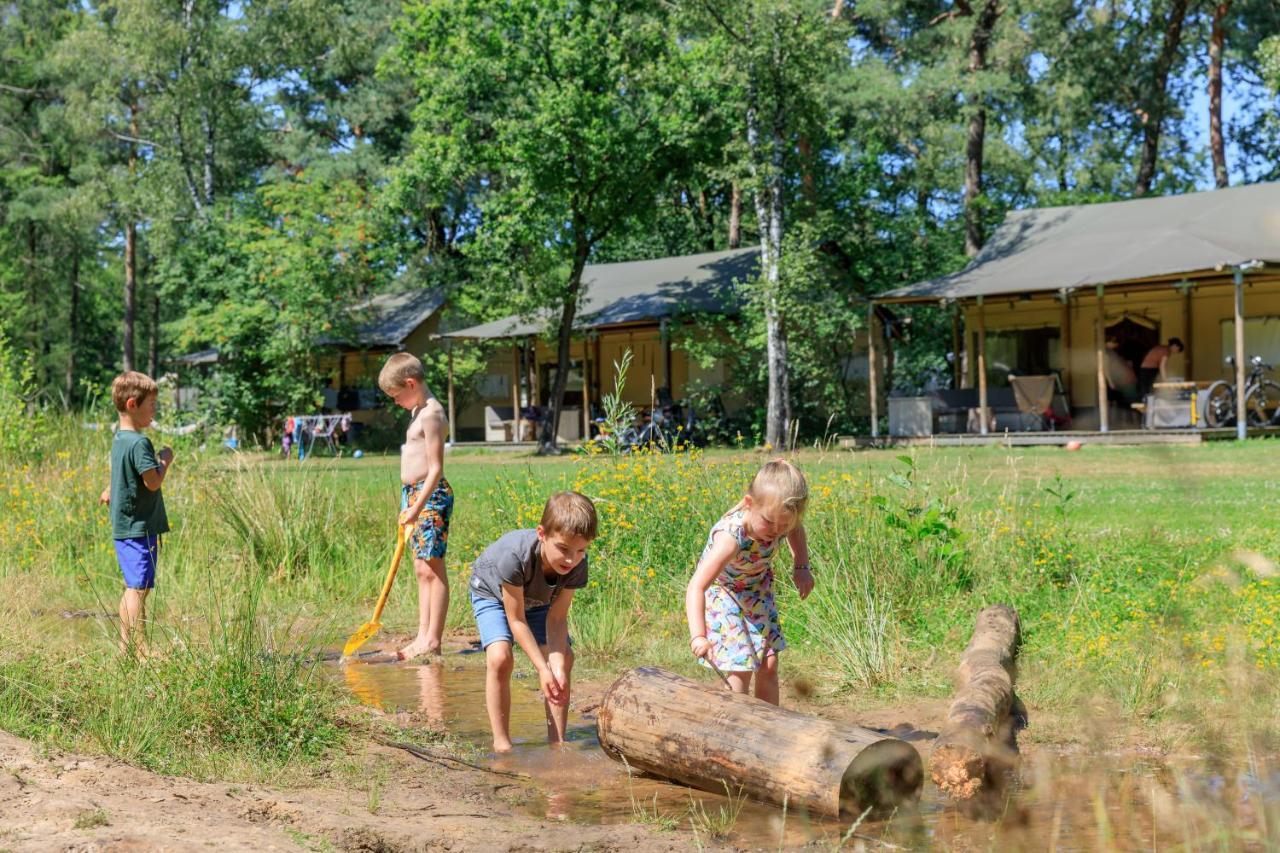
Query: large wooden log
[(711, 738), (977, 744)]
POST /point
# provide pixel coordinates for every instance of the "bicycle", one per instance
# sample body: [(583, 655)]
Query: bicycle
[(1261, 397)]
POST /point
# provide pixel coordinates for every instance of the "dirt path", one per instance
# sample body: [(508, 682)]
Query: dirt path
[(71, 802)]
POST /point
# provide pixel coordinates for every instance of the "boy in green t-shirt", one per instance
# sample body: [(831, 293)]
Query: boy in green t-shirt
[(137, 507)]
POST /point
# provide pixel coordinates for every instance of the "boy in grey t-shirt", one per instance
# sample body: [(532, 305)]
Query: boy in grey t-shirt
[(521, 589)]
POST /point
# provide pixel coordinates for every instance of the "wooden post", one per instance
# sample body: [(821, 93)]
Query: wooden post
[(955, 344), (1188, 333), (586, 389), (1100, 352), (1241, 425), (982, 367), (873, 371), (453, 422), (1065, 345), (711, 738), (664, 332), (515, 393), (977, 740)]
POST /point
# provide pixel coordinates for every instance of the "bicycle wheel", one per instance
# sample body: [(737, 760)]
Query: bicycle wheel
[(1261, 403), (1220, 405)]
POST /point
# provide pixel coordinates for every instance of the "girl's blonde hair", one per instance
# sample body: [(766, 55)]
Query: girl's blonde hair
[(780, 484)]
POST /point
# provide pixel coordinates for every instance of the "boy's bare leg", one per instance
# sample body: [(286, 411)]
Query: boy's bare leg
[(497, 692), (558, 715), (133, 610), (433, 606), (767, 679)]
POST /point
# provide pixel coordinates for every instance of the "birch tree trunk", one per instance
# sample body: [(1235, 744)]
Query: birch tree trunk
[(766, 158), (735, 216), (1154, 116), (1217, 146)]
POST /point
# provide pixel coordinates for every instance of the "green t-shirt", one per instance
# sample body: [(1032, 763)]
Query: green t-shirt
[(135, 509)]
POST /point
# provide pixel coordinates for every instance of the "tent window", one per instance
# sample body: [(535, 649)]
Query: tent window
[(1021, 351)]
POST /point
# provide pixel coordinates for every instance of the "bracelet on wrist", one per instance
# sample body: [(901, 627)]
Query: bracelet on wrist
[(699, 637), (802, 567)]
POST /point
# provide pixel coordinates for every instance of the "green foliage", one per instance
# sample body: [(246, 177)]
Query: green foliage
[(619, 415), (19, 421)]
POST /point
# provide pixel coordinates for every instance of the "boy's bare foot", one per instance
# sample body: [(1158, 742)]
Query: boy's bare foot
[(501, 746), (417, 649)]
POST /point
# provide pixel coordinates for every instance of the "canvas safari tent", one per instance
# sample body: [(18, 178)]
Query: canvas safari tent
[(1053, 283), (630, 305)]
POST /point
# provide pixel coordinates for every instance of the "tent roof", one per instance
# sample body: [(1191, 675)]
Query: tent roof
[(640, 291), (388, 319), (1053, 248)]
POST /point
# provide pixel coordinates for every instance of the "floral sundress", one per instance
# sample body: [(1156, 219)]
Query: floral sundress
[(742, 618)]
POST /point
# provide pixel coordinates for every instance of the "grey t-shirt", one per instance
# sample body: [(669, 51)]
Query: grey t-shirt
[(516, 559)]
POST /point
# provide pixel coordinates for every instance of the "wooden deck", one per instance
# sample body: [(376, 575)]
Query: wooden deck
[(1058, 439)]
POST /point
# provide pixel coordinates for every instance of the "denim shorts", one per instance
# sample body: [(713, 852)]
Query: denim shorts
[(137, 558), (491, 619)]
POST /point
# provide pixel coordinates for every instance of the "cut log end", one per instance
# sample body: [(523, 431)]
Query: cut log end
[(882, 776), (958, 770)]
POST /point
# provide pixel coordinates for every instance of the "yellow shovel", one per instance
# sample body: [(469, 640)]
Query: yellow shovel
[(368, 629)]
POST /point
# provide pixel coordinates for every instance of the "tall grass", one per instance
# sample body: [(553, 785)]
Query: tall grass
[(1146, 617)]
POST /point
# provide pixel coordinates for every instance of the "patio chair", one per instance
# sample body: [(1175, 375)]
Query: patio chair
[(1034, 396)]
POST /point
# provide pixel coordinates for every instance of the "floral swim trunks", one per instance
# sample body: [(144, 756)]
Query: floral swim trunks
[(430, 537)]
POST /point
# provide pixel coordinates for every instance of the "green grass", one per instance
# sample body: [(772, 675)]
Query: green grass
[(1143, 578)]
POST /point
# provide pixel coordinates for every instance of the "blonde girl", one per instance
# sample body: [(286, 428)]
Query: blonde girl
[(733, 620)]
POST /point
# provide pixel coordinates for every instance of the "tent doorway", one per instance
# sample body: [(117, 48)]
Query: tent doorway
[(1136, 338)]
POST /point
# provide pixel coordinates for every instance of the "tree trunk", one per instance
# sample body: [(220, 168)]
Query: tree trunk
[(73, 322), (1216, 145), (209, 156), (735, 216), (766, 166), (711, 738), (130, 291), (1154, 114), (977, 741), (130, 252), (153, 357), (568, 311), (973, 236)]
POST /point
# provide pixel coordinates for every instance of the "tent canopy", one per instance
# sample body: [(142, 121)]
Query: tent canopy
[(641, 291), (1063, 248)]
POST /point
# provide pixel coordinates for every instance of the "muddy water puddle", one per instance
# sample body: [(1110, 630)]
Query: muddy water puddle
[(1057, 801)]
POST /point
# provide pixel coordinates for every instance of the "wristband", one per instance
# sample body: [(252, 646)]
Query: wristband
[(699, 637), (802, 567)]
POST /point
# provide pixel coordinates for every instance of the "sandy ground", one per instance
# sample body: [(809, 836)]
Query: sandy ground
[(70, 802)]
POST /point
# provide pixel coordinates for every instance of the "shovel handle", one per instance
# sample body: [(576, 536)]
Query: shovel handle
[(391, 574)]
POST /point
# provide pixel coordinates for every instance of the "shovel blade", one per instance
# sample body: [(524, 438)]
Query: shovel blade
[(360, 637)]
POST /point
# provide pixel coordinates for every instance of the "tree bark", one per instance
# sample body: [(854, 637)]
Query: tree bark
[(208, 156), (73, 322), (153, 356), (130, 254), (766, 166), (130, 292), (976, 139), (977, 742), (711, 738), (1217, 146), (735, 216), (1153, 116), (568, 311)]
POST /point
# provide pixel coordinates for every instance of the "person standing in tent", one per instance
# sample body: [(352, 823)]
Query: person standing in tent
[(1155, 365)]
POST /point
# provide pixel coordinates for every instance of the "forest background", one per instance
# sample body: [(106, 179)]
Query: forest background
[(178, 175)]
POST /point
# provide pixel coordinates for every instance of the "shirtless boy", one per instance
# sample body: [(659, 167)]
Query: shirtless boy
[(426, 500)]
